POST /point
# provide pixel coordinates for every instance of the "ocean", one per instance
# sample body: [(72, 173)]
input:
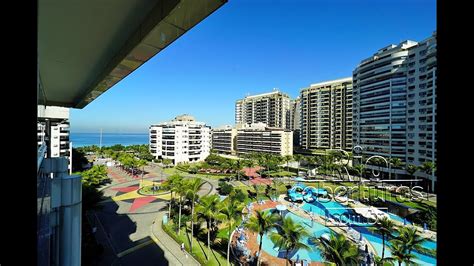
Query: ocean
[(108, 139)]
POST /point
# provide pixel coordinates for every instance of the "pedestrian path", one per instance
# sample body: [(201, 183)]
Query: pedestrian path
[(171, 249), (115, 175)]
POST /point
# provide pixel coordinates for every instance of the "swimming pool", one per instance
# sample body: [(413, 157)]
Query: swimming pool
[(316, 229)]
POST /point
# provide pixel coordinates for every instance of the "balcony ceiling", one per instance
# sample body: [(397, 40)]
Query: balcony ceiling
[(86, 46)]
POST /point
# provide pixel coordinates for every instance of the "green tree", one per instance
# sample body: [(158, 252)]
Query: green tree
[(167, 162), (289, 237), (193, 188), (385, 228), (230, 210), (360, 169), (400, 254), (181, 190), (338, 249), (170, 184), (261, 223), (288, 159), (429, 168), (78, 159), (209, 208), (298, 158), (409, 238), (411, 170), (396, 163)]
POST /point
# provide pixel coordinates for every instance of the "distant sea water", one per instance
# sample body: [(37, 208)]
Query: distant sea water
[(108, 139)]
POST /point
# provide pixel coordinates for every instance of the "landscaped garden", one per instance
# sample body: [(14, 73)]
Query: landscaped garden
[(205, 224)]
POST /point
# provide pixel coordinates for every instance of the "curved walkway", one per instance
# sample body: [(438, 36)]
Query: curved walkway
[(172, 250)]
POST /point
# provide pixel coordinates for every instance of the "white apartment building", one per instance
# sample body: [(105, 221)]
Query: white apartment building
[(395, 103), (58, 120), (224, 139), (326, 115), (271, 108), (181, 140), (258, 137)]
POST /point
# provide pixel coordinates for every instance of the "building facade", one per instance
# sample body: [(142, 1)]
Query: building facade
[(326, 115), (395, 103), (181, 140), (258, 137), (55, 120), (224, 139), (271, 108), (295, 120)]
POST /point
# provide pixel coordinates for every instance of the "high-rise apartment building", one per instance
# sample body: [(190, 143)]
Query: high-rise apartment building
[(271, 108), (181, 140), (395, 103), (55, 120), (295, 120), (326, 115), (224, 139), (258, 137)]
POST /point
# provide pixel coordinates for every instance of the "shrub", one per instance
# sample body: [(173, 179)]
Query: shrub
[(225, 188), (239, 195)]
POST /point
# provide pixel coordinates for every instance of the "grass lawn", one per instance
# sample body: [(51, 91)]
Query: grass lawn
[(282, 174), (174, 170), (148, 190), (199, 248)]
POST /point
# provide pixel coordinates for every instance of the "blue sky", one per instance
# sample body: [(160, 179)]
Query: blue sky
[(252, 47)]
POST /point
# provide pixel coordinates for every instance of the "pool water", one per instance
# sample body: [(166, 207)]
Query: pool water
[(316, 229)]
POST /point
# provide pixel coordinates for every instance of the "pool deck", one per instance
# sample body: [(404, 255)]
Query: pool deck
[(427, 234)]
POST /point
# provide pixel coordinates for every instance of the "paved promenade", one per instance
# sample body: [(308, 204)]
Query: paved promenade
[(171, 249)]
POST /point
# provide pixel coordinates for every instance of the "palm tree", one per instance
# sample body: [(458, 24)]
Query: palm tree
[(193, 188), (383, 227), (411, 170), (237, 166), (359, 168), (298, 158), (181, 190), (141, 163), (170, 184), (230, 210), (400, 254), (289, 237), (288, 159), (261, 223), (409, 238), (208, 207), (379, 262), (429, 168), (396, 163), (338, 249)]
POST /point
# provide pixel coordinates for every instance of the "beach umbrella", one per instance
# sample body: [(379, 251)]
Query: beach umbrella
[(424, 226), (404, 221), (360, 239)]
